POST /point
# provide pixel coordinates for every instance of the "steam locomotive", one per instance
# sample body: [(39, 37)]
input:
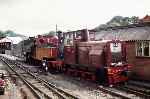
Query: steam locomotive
[(75, 54)]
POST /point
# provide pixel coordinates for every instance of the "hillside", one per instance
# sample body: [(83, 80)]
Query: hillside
[(10, 33), (119, 21)]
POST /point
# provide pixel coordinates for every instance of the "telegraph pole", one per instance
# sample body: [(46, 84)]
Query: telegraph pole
[(56, 29)]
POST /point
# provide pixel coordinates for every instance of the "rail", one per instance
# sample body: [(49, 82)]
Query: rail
[(137, 90), (57, 91), (112, 92)]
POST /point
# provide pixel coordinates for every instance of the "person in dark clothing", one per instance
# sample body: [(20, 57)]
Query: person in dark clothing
[(2, 76)]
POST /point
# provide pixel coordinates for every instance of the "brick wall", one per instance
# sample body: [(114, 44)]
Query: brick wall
[(141, 65)]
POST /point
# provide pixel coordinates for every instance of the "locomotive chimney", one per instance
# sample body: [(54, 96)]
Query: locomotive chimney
[(85, 35)]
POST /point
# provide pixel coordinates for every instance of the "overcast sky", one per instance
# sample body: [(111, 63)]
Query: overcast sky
[(32, 17)]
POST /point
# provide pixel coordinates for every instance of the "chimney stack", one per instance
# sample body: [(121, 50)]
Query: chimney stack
[(85, 35)]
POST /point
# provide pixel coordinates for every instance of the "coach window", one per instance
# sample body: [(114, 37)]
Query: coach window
[(146, 48), (139, 49), (143, 49)]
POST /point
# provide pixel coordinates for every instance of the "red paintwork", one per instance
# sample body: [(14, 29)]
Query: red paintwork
[(2, 82), (87, 53), (114, 74), (53, 52), (57, 65), (85, 58), (83, 74), (53, 40), (91, 55), (47, 45), (69, 55)]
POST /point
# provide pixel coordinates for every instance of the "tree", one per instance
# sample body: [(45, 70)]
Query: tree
[(133, 20), (119, 21), (52, 33), (10, 33), (2, 34)]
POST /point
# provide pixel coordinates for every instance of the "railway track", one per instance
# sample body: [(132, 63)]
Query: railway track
[(135, 88), (107, 90), (116, 92), (129, 91), (40, 87)]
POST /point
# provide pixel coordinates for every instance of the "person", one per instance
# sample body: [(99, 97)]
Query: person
[(2, 76)]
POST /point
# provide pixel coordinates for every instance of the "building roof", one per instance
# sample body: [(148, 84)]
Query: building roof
[(5, 40), (125, 33), (146, 18), (14, 40)]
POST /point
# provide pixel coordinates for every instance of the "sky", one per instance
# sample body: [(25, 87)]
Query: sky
[(33, 17)]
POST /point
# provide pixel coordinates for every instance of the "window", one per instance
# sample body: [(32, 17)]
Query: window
[(139, 49), (146, 48), (143, 49), (115, 47), (116, 52)]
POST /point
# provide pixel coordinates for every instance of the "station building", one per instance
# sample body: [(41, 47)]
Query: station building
[(8, 44), (137, 38)]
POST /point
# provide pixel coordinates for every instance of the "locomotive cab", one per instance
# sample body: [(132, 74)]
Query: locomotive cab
[(116, 64), (116, 55)]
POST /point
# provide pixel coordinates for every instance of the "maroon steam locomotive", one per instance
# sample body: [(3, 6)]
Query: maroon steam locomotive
[(102, 61)]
